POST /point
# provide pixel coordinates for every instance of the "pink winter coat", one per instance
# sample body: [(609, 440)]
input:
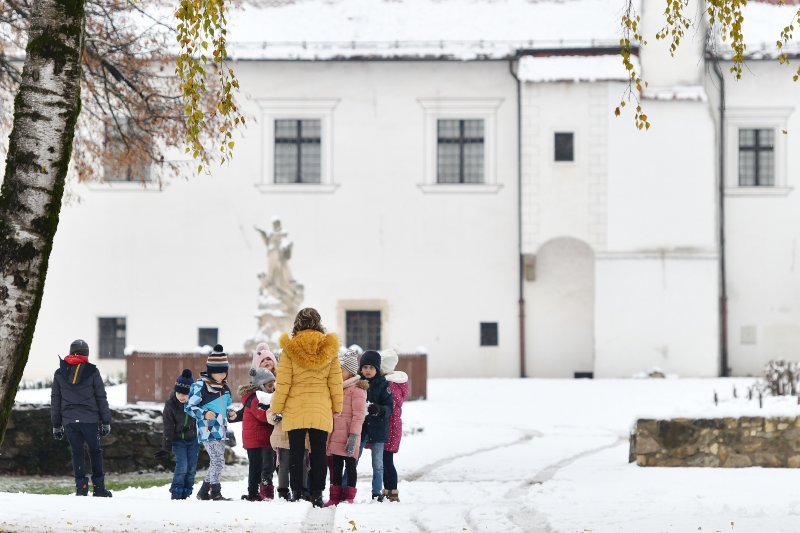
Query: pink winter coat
[(354, 410), (398, 384)]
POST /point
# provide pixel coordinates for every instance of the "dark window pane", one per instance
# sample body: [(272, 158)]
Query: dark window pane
[(460, 152), (766, 168), (207, 336), (747, 168), (364, 329), (297, 151), (564, 147), (125, 156), (448, 163), (766, 138), (489, 334), (747, 138), (112, 335), (757, 157)]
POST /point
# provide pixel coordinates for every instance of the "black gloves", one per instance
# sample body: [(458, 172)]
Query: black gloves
[(375, 409), (105, 430), (58, 433), (263, 406)]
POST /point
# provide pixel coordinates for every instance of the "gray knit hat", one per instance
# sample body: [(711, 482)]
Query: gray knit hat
[(261, 376), (349, 361)]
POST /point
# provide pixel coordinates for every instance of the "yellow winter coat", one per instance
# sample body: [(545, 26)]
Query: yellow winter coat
[(309, 385)]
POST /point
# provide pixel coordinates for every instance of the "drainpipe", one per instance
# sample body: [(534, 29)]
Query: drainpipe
[(521, 257), (723, 285)]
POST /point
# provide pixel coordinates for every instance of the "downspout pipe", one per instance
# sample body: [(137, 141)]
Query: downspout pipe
[(520, 256), (723, 284)]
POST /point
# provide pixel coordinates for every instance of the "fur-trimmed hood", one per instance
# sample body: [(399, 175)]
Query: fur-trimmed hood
[(247, 389), (310, 349), (362, 384)]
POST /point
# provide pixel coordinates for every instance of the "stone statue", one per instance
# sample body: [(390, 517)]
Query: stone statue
[(279, 295)]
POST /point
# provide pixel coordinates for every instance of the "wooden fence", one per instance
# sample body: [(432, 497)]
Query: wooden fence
[(151, 376)]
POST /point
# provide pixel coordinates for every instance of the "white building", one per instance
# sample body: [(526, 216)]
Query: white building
[(453, 177)]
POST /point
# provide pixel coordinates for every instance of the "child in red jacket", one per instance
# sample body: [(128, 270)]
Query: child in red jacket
[(256, 432)]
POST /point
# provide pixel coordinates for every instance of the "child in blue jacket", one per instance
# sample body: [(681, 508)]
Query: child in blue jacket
[(209, 404)]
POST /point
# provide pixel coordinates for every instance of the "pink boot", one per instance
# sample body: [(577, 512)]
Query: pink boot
[(336, 496), (349, 494), (266, 492)]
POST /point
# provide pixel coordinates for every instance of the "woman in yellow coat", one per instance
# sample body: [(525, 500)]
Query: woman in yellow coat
[(307, 397)]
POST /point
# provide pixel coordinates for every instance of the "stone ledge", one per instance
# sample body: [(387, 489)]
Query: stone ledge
[(717, 442)]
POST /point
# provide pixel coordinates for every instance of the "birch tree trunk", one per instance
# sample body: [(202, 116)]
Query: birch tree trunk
[(45, 111)]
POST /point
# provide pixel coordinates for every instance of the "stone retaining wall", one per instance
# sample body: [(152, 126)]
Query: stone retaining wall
[(29, 447), (717, 442)]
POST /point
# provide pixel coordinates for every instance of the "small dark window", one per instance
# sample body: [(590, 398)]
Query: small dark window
[(207, 336), (298, 149), (364, 329), (489, 334), (584, 375), (756, 158), (112, 337), (565, 146), (127, 152), (459, 157)]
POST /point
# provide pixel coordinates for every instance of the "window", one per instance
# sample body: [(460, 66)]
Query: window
[(489, 334), (126, 155), (756, 157), (364, 329), (459, 151), (207, 336), (112, 337), (564, 147), (298, 146)]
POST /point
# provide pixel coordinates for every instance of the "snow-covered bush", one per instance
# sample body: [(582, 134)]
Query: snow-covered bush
[(781, 378)]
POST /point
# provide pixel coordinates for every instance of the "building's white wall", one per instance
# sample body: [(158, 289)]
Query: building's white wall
[(187, 257), (660, 69), (763, 230)]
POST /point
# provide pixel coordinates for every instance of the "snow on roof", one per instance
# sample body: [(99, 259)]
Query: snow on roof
[(605, 67), (763, 22), (452, 29)]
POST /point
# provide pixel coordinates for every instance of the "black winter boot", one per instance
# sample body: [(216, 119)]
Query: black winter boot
[(252, 495), (99, 490), (202, 494), (316, 499), (283, 494), (216, 493), (82, 487)]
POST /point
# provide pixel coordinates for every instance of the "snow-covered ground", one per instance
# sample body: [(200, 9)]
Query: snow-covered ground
[(493, 455)]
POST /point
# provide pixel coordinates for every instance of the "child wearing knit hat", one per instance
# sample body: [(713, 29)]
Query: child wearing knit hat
[(256, 432), (375, 430), (264, 358), (209, 404), (180, 438), (345, 439)]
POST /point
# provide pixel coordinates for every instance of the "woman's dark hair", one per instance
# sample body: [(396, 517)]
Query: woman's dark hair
[(307, 318)]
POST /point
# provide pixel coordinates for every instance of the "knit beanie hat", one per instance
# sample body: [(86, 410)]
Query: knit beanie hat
[(261, 376), (349, 361), (184, 381), (79, 347), (263, 352), (372, 358), (217, 360), (389, 359)]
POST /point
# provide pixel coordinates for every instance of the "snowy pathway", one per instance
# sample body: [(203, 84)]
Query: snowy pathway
[(493, 456)]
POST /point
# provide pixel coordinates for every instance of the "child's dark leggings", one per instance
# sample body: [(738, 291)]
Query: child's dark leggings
[(262, 466), (336, 471), (389, 472)]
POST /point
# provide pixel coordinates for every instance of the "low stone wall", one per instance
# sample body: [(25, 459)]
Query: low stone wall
[(717, 442), (29, 447)]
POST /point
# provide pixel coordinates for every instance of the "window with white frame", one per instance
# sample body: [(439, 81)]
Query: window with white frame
[(756, 157), (756, 151), (460, 145), (297, 151), (296, 145)]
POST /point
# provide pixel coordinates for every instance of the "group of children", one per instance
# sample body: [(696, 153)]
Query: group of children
[(198, 412)]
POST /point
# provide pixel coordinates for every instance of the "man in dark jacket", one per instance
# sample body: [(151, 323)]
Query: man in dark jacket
[(78, 402)]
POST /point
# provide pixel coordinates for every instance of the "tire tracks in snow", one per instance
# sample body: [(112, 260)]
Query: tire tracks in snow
[(419, 473), (526, 516)]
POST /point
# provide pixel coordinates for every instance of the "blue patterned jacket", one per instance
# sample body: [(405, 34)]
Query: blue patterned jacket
[(203, 399)]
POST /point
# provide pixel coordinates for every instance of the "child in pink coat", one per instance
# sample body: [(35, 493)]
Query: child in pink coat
[(398, 384), (344, 440)]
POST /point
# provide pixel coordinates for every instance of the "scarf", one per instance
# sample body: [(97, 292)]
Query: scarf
[(74, 359), (213, 385)]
